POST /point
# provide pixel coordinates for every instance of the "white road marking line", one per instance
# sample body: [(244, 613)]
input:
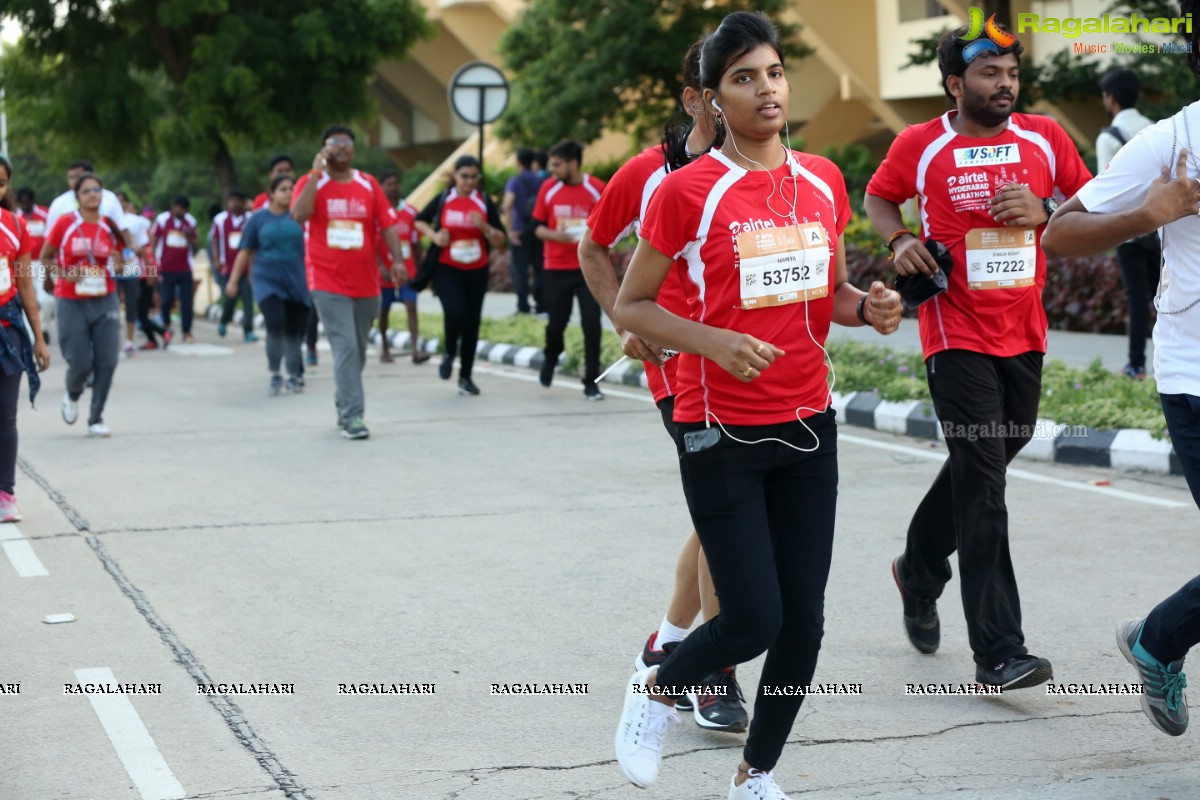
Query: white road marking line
[(1013, 472), (20, 553), (1017, 472), (137, 751)]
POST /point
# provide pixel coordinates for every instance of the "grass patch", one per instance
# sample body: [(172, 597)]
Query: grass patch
[(1093, 396)]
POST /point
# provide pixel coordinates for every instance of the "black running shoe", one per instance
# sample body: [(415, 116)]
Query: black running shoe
[(723, 710), (445, 368), (1018, 672), (546, 373), (467, 387), (921, 621), (653, 658)]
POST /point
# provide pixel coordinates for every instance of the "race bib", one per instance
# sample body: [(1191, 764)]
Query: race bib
[(785, 265), (1001, 258), (5, 275), (37, 228), (573, 226), (405, 251), (466, 251), (344, 234), (235, 239), (92, 286), (176, 239)]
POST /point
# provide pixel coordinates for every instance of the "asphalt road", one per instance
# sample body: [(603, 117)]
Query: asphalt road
[(524, 536)]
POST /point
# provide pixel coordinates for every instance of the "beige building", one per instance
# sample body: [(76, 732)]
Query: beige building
[(852, 89)]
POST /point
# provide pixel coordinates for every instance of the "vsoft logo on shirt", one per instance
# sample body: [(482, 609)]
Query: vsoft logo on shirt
[(987, 155)]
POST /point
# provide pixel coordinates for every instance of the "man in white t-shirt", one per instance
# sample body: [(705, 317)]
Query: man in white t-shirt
[(65, 203), (1152, 184)]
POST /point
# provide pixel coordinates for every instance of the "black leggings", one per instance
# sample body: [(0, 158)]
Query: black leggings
[(285, 322), (310, 335), (461, 292), (131, 296), (10, 392), (764, 514)]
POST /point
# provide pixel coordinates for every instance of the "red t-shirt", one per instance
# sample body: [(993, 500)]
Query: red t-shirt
[(35, 223), (173, 240), (406, 217), (15, 241), (710, 218), (468, 246), (994, 303), (227, 236), (81, 244), (563, 207), (261, 201), (339, 237), (617, 214)]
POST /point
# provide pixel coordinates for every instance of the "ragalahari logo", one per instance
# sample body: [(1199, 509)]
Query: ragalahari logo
[(995, 41)]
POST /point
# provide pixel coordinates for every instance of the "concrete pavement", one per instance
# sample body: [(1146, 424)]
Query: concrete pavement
[(525, 536)]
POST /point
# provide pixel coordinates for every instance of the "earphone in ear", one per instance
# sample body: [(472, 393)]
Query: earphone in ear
[(713, 103)]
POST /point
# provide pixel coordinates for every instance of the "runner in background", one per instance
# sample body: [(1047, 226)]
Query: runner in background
[(129, 281), (273, 243), (468, 226), (280, 165), (226, 234), (18, 307), (987, 179), (341, 208), (520, 193), (35, 218), (560, 214), (174, 235), (393, 279), (86, 248), (618, 214)]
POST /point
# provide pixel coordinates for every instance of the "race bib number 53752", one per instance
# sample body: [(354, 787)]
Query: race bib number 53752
[(783, 265)]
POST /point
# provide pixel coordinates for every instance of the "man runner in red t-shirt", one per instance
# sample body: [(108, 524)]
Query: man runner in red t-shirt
[(986, 179), (342, 210), (560, 214)]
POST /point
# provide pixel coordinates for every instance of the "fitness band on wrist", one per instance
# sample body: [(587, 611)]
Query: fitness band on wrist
[(859, 312)]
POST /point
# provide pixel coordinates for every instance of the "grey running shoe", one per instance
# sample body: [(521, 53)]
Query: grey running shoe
[(1163, 699), (355, 429), (276, 384)]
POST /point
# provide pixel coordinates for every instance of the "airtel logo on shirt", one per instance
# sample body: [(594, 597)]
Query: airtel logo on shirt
[(750, 225), (987, 155)]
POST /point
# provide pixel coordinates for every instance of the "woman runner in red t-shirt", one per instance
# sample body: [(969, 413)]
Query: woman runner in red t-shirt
[(87, 249), (757, 229), (468, 222), (18, 303)]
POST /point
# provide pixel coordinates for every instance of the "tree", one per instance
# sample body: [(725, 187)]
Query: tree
[(581, 68), (128, 80)]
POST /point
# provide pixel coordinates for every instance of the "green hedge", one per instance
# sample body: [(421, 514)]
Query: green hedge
[(1094, 396)]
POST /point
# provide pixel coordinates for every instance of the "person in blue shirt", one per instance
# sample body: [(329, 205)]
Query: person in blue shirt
[(273, 243)]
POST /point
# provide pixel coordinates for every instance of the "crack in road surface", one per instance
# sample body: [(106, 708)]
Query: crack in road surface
[(233, 716)]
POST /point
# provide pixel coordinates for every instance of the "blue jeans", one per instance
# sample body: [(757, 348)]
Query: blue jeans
[(1173, 627)]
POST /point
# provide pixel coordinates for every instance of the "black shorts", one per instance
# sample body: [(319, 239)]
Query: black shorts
[(666, 407)]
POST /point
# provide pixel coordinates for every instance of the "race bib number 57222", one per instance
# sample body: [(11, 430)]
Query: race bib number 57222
[(1001, 258)]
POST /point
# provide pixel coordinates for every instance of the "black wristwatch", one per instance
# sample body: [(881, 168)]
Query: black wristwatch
[(1051, 205)]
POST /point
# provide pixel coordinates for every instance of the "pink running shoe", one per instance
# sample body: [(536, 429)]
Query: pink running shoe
[(8, 508)]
